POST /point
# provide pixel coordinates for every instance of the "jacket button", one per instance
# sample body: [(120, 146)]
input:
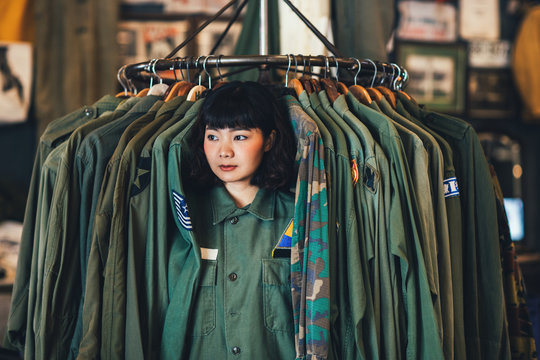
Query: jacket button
[(233, 276), (88, 111), (234, 220), (235, 350)]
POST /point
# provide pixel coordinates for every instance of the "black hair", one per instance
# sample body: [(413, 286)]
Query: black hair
[(246, 105)]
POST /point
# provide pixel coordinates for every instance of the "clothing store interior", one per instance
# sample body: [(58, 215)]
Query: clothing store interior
[(406, 226)]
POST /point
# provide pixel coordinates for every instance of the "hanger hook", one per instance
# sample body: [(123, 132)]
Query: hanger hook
[(303, 65), (396, 79), (288, 68), (120, 80), (150, 70), (197, 66), (393, 74), (206, 71), (309, 65), (326, 66), (374, 71), (217, 67), (187, 69), (295, 66), (131, 87), (180, 63), (154, 71), (405, 78), (337, 67), (359, 69), (174, 71)]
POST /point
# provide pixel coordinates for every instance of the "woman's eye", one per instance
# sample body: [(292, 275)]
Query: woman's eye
[(240, 137), (211, 137)]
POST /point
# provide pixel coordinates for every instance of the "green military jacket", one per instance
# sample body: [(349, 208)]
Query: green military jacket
[(242, 302), (421, 337), (55, 133), (453, 211)]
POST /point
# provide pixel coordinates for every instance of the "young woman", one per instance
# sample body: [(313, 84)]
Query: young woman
[(243, 166)]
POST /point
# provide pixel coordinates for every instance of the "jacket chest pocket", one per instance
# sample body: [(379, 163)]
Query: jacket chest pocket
[(277, 302), (204, 310)]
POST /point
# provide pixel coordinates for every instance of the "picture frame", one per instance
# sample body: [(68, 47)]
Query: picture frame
[(492, 94), (437, 74)]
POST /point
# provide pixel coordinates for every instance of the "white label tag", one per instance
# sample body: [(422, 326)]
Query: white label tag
[(209, 254)]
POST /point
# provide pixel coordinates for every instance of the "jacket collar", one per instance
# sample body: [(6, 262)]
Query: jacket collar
[(223, 205)]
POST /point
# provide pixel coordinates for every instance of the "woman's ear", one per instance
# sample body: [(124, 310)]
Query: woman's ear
[(270, 141)]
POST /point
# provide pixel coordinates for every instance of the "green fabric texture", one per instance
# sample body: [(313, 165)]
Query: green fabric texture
[(419, 323), (356, 253), (418, 163), (443, 254), (114, 287), (248, 40), (55, 133), (90, 175), (453, 211), (130, 182), (375, 175), (160, 226), (486, 332), (362, 28), (221, 316), (139, 205), (76, 55), (349, 284), (309, 244), (106, 139)]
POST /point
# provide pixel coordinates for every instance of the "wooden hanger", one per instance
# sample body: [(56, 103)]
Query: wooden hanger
[(331, 89), (342, 88), (296, 85), (143, 92), (173, 90), (375, 94), (307, 85), (184, 90), (407, 96), (124, 94), (195, 93), (361, 94), (359, 91), (389, 95), (315, 85)]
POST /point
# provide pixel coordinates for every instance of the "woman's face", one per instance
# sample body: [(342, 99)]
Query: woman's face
[(234, 155)]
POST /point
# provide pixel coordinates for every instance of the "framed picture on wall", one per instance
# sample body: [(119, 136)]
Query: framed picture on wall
[(437, 74), (492, 94), (16, 80), (145, 40)]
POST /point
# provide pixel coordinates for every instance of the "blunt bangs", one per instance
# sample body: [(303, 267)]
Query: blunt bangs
[(239, 108)]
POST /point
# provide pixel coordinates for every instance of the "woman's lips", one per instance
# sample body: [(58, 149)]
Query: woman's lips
[(227, 167)]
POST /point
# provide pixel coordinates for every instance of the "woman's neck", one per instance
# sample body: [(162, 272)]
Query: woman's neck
[(241, 194)]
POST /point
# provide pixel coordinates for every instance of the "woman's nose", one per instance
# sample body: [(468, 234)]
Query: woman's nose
[(225, 152)]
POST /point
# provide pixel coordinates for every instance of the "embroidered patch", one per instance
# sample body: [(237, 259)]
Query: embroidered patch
[(283, 248), (181, 211), (371, 177), (355, 173), (142, 178), (451, 187)]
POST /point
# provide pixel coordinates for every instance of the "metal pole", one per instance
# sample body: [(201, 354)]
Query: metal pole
[(263, 29)]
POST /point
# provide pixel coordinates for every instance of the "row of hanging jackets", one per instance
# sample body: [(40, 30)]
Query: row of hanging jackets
[(395, 248)]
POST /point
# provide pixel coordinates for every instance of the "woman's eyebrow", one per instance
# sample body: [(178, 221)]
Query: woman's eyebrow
[(236, 128)]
